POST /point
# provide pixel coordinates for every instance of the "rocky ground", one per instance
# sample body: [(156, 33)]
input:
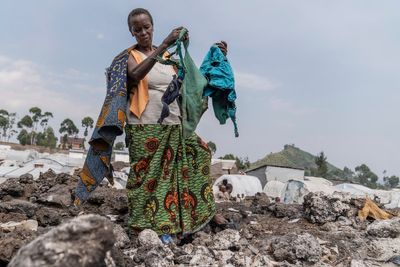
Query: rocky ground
[(39, 226)]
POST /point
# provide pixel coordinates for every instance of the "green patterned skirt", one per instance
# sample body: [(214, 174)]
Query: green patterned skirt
[(169, 185)]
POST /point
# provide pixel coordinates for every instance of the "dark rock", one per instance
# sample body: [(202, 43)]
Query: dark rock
[(59, 195), (11, 187), (119, 201), (63, 178), (46, 216), (119, 258), (293, 247), (18, 206), (98, 197), (12, 216), (30, 190), (148, 237), (153, 255), (258, 204), (321, 208), (84, 241), (226, 239), (385, 228), (121, 238), (261, 199), (395, 260), (11, 242), (47, 180), (281, 210), (329, 227), (26, 178)]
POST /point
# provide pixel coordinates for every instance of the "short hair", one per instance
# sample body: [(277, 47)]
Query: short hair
[(139, 11)]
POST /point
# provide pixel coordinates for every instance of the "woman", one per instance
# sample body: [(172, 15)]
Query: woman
[(169, 185)]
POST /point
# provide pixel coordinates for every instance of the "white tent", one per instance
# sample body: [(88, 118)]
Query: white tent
[(391, 199), (394, 199), (295, 190), (242, 185), (318, 180), (355, 190), (274, 189)]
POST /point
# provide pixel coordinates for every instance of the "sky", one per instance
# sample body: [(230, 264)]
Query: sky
[(322, 75)]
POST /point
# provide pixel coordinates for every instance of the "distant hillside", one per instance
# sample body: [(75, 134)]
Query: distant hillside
[(294, 157)]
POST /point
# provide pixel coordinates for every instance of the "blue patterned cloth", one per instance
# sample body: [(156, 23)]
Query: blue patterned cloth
[(221, 85), (109, 125)]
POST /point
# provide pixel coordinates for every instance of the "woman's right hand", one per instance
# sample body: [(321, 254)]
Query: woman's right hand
[(173, 36)]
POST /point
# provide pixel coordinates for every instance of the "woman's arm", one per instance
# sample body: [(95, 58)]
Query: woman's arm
[(138, 71)]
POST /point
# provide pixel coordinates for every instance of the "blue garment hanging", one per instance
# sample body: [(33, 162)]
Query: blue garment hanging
[(221, 85)]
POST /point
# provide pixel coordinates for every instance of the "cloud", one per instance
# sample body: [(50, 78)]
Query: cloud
[(254, 82), (99, 36), (24, 84), (283, 105)]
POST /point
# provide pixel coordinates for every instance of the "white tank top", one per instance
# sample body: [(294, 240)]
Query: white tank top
[(158, 80)]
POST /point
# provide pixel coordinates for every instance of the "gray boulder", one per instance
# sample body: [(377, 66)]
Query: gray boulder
[(293, 248), (18, 206), (320, 208), (385, 228), (84, 241)]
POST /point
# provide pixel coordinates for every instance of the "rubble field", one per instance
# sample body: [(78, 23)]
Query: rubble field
[(39, 226)]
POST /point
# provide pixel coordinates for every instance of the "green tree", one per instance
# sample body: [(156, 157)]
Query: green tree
[(228, 156), (7, 121), (365, 176), (321, 161), (24, 137), (44, 120), (26, 124), (392, 181), (68, 128), (47, 138), (212, 146), (39, 119), (119, 146), (87, 122), (348, 174), (36, 115)]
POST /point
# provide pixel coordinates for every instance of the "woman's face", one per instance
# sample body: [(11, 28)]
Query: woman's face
[(142, 29)]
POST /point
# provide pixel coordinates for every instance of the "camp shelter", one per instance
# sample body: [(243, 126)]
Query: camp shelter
[(391, 199), (242, 185), (274, 189), (282, 173), (295, 190)]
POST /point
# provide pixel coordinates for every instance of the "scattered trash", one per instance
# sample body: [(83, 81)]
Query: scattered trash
[(166, 239), (372, 210)]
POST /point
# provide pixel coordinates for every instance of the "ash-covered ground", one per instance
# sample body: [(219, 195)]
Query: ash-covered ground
[(39, 226)]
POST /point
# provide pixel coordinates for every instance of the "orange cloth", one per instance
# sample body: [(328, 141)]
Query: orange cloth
[(372, 210), (140, 94)]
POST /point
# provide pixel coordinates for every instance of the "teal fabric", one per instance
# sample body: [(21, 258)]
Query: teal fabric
[(221, 85), (193, 104), (192, 95)]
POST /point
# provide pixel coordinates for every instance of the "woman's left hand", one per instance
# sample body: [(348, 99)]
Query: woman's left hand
[(223, 46)]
